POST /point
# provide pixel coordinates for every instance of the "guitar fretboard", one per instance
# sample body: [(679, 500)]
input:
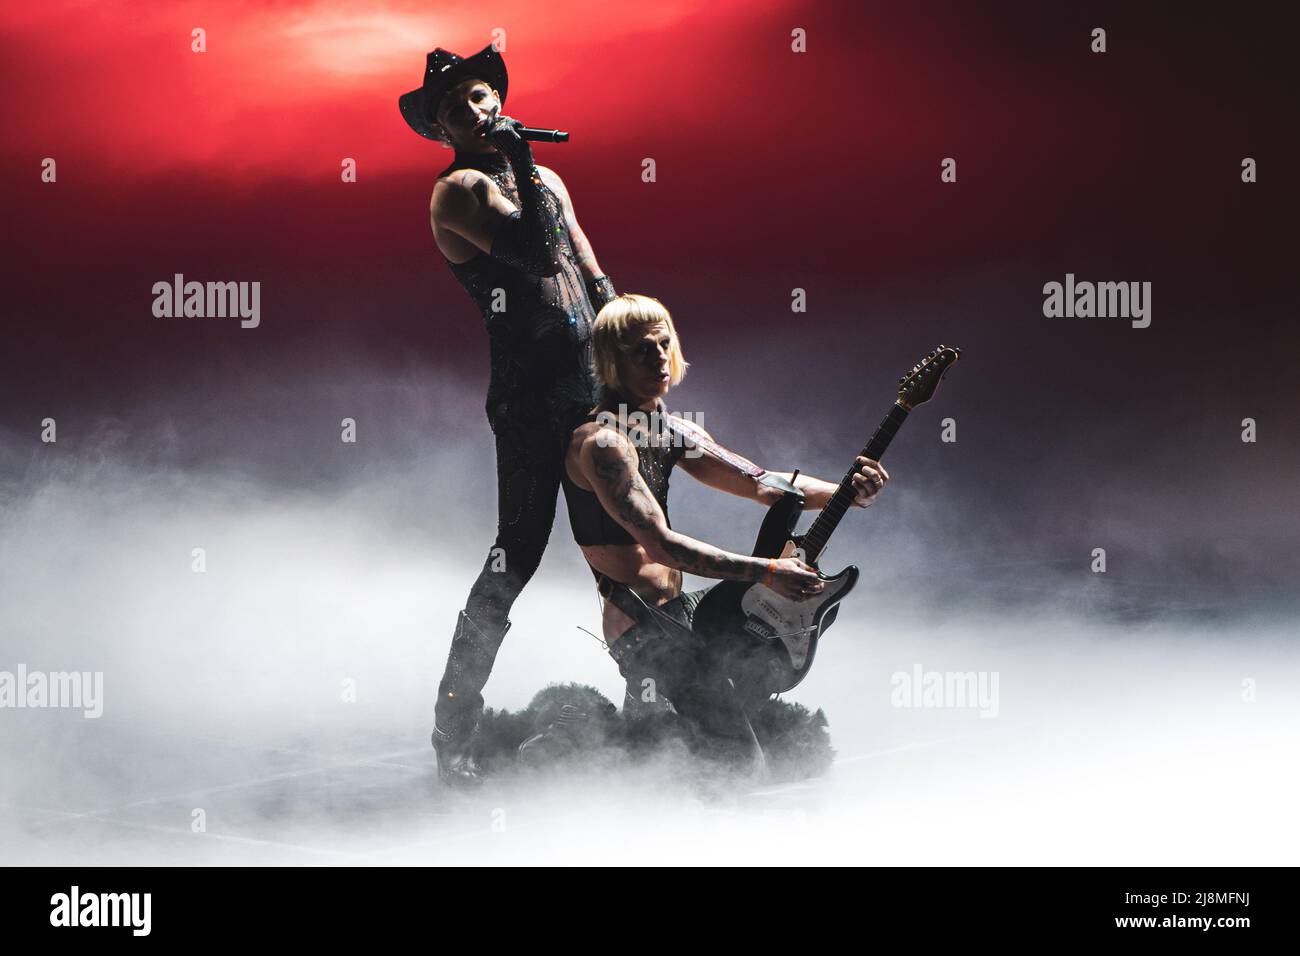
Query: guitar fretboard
[(819, 533)]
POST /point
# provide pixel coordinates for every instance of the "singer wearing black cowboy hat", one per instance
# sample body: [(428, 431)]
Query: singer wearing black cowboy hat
[(508, 233)]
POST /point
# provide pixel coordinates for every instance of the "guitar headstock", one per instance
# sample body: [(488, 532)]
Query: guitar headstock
[(918, 385)]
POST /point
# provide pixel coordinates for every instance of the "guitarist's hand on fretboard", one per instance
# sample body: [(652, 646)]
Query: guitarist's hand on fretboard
[(868, 479)]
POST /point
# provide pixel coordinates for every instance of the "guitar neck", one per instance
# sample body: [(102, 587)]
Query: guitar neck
[(814, 542)]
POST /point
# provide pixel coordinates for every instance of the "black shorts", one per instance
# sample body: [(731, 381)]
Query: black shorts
[(665, 658)]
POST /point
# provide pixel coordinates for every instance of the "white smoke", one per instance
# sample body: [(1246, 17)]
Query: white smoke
[(229, 691)]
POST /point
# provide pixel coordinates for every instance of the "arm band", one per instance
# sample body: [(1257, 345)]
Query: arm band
[(600, 291)]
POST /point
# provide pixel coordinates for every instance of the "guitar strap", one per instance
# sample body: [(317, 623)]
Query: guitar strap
[(694, 436)]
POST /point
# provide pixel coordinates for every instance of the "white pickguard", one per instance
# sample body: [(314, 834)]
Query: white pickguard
[(770, 615)]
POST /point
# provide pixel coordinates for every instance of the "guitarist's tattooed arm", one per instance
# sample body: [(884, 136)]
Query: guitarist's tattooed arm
[(869, 477), (609, 462)]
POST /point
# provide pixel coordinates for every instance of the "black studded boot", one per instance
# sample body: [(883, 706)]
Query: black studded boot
[(460, 701)]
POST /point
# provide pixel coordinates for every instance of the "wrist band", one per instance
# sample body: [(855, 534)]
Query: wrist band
[(771, 570), (600, 291)]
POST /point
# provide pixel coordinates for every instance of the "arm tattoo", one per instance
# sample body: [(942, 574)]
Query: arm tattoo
[(615, 468), (584, 256), (708, 561)]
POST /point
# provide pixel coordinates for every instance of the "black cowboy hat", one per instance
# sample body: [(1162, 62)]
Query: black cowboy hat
[(442, 71)]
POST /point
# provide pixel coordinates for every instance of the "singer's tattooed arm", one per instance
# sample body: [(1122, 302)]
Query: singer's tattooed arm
[(609, 463), (581, 245)]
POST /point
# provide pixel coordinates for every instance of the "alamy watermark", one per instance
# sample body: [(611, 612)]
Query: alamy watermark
[(75, 908), (181, 299), (653, 429), (1103, 300), (71, 690), (947, 689)]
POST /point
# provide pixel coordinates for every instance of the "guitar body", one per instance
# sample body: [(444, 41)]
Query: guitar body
[(765, 642)]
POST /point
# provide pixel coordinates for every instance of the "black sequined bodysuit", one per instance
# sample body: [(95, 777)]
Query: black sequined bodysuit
[(539, 326), (539, 313)]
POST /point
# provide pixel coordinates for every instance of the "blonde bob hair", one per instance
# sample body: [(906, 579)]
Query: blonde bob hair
[(618, 321)]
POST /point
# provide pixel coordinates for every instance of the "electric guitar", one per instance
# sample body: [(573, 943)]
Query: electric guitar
[(765, 642)]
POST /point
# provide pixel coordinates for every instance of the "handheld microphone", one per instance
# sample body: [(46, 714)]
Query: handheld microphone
[(542, 135)]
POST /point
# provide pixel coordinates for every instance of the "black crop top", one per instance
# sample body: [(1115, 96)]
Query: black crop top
[(591, 523)]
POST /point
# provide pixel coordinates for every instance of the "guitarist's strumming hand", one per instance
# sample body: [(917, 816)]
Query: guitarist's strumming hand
[(791, 578), (869, 478)]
